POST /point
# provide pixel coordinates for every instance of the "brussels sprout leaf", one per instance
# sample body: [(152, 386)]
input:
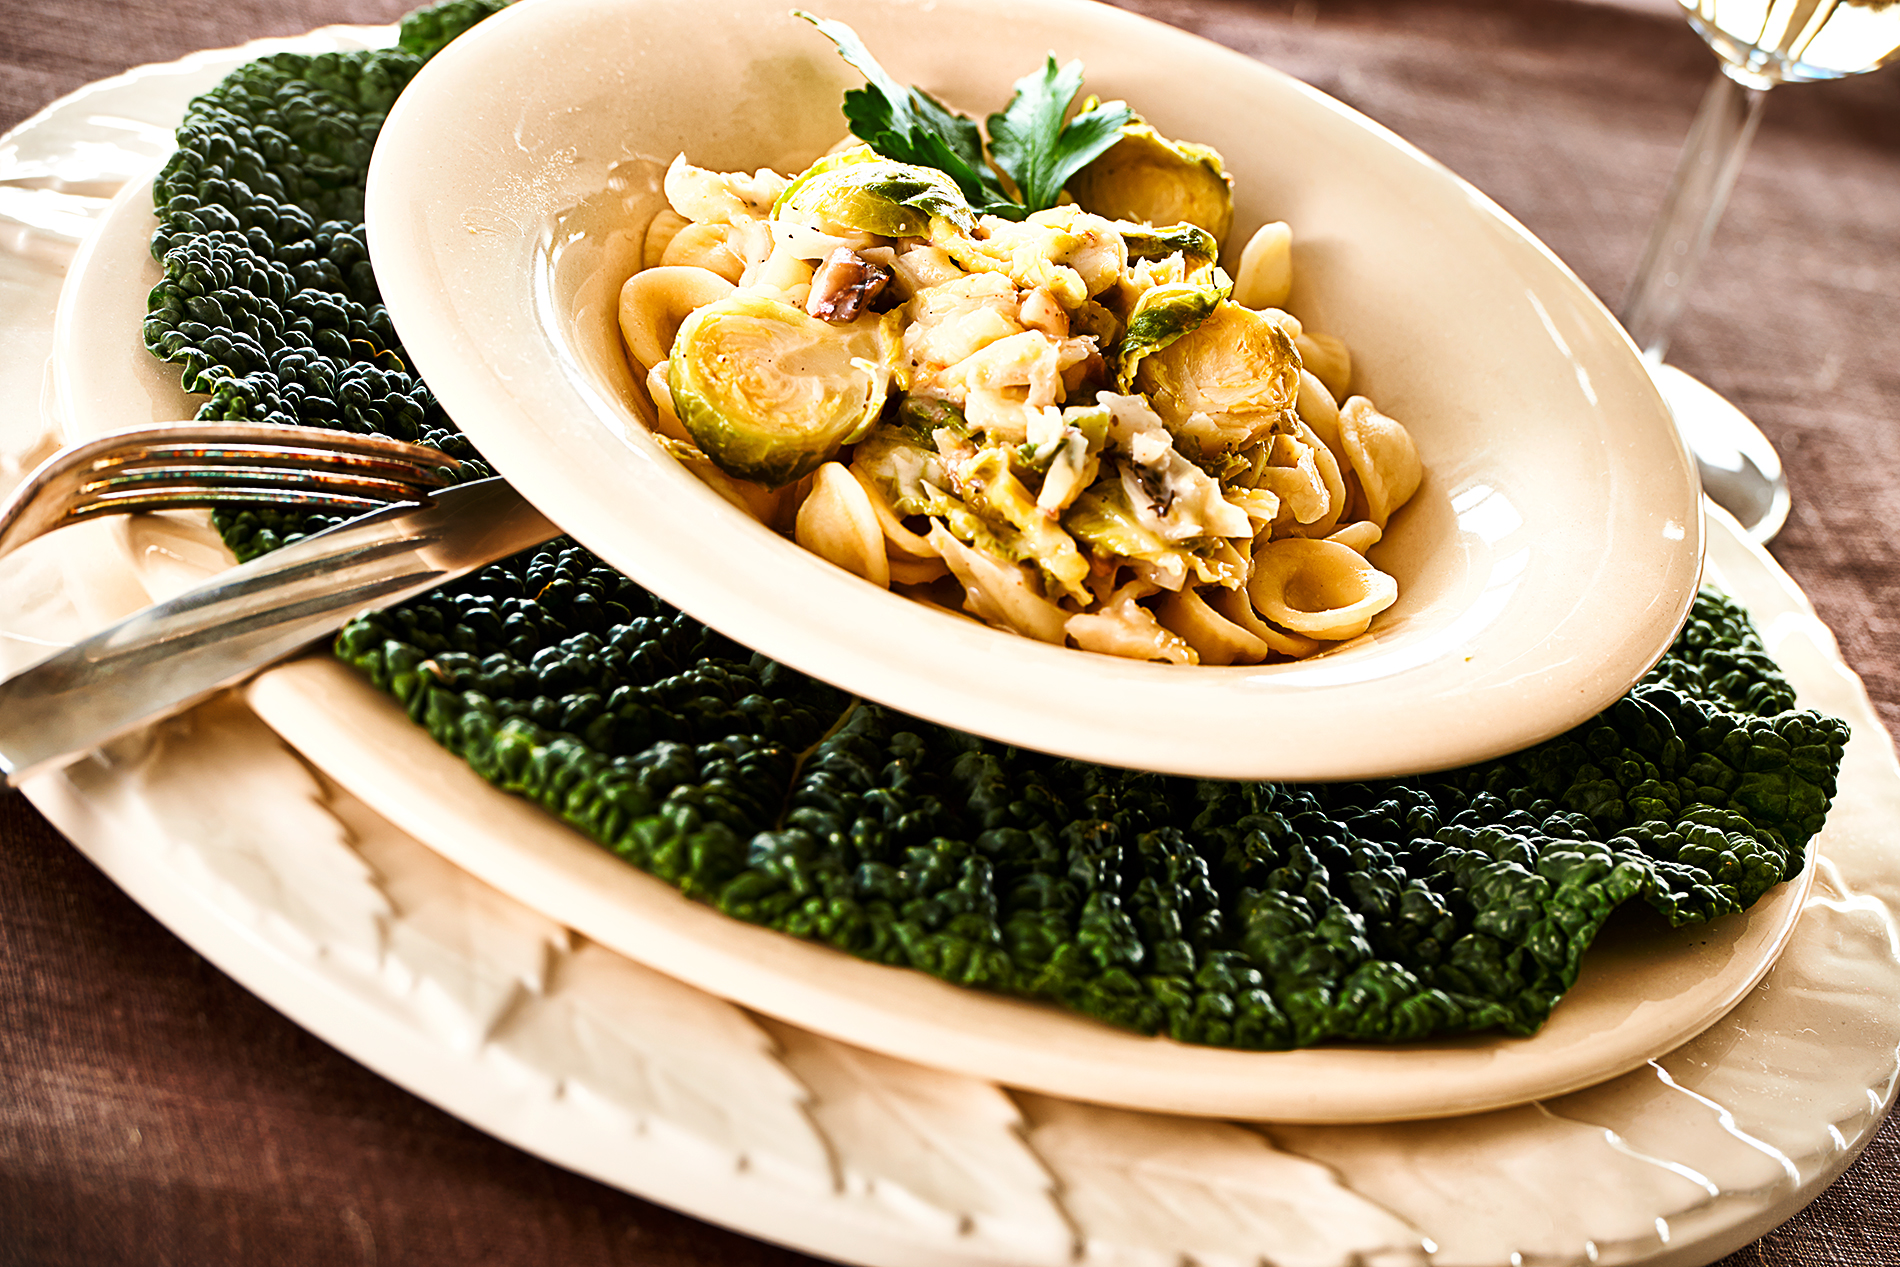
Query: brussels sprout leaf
[(1030, 141), (911, 126), (1165, 314)]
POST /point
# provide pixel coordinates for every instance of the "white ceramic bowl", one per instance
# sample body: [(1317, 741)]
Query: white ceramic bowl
[(1544, 565)]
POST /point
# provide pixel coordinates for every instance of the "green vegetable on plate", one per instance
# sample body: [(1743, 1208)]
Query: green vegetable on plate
[(1165, 314), (1029, 140), (770, 393), (1147, 178), (859, 191)]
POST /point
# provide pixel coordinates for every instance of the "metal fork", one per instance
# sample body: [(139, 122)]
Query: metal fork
[(179, 465)]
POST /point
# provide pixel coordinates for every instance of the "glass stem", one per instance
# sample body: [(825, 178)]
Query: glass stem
[(1712, 157)]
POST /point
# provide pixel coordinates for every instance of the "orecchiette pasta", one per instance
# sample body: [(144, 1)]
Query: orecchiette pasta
[(1327, 359), (655, 302), (1383, 457), (1071, 426), (1237, 605), (1323, 589), (908, 571), (660, 234), (836, 522), (1361, 535), (1318, 408), (1215, 638), (707, 246), (1266, 268)]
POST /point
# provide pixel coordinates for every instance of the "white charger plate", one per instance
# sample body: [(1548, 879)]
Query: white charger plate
[(1544, 565), (469, 1000), (1644, 989)]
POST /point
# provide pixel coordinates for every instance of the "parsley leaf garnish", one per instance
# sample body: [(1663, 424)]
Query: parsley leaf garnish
[(1030, 141), (911, 126)]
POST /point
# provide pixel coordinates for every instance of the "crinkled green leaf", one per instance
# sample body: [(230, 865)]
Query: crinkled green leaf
[(1030, 141), (911, 126)]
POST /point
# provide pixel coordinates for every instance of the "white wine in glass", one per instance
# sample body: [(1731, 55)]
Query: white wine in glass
[(1761, 43), (1792, 40)]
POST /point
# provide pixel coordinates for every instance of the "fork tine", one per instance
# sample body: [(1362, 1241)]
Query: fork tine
[(128, 481), (389, 464), (177, 488), (200, 498), (204, 464), (214, 437)]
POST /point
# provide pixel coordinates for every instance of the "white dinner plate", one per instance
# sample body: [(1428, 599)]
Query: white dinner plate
[(1544, 565), (1644, 989), (470, 1001)]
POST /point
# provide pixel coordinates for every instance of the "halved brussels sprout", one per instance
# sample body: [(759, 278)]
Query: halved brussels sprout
[(1164, 314), (861, 191), (770, 393), (1150, 179), (1223, 385)]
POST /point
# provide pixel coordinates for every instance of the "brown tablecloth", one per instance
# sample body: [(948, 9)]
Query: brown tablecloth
[(151, 1111)]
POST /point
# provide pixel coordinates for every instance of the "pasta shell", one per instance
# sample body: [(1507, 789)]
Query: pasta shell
[(1328, 467), (1237, 607), (1216, 639), (1266, 268), (1360, 536), (1382, 455), (661, 231), (706, 246), (917, 571), (1322, 589), (655, 301), (836, 522), (1327, 359), (1318, 408)]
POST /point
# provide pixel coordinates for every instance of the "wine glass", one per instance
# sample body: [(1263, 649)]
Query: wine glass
[(1761, 43)]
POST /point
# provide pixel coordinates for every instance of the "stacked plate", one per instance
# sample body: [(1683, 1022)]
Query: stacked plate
[(498, 964)]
